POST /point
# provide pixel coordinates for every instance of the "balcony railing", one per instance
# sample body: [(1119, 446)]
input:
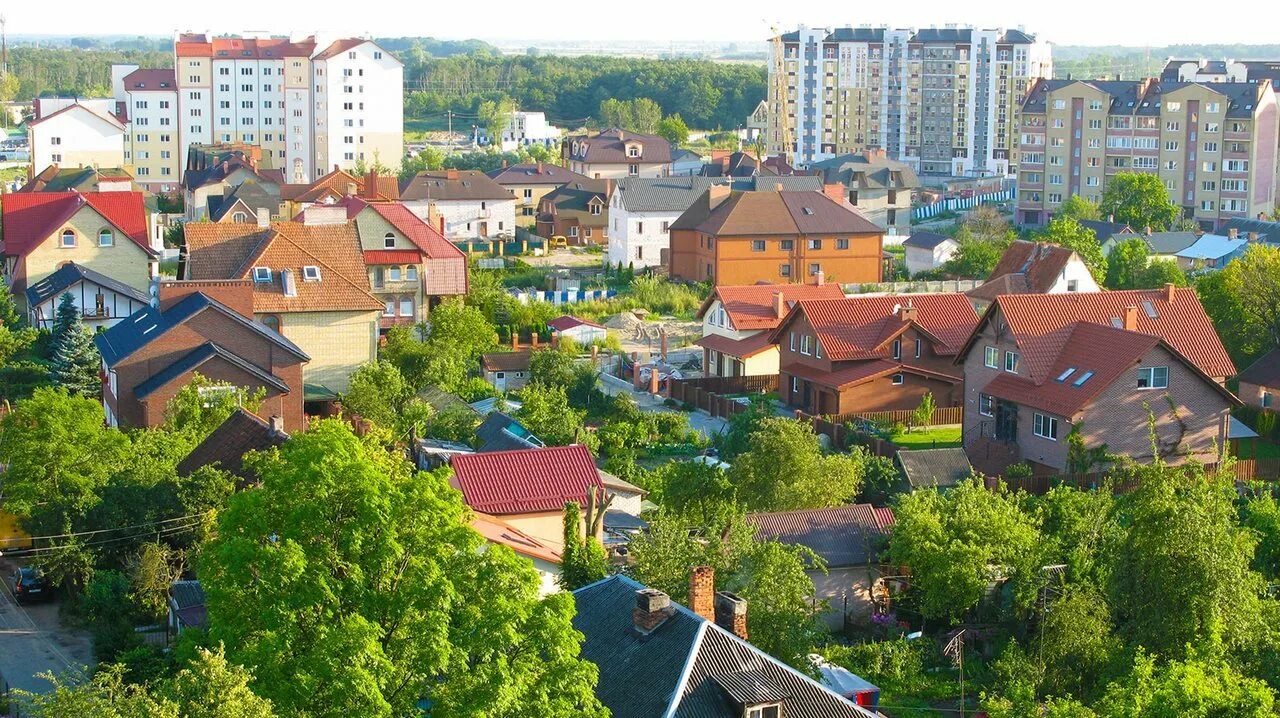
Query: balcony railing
[(403, 285)]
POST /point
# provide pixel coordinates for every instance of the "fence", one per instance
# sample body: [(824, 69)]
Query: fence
[(712, 394), (937, 286), (841, 436), (959, 204), (943, 416), (1241, 470)]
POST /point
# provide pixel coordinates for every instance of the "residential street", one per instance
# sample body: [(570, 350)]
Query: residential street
[(33, 642)]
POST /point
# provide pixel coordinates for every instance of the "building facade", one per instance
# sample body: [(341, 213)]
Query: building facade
[(150, 99), (615, 154), (77, 133), (944, 100)]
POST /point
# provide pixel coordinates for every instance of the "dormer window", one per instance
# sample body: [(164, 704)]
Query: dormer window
[(773, 710), (310, 273), (633, 150), (262, 274), (389, 240)]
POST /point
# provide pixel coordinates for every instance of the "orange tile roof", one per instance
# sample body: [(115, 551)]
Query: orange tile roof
[(861, 327), (784, 213), (335, 185), (231, 251), (751, 306), (739, 348)]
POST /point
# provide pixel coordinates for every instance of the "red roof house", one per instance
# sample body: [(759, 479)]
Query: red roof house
[(737, 321)]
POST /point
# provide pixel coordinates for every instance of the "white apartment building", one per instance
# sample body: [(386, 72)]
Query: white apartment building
[(149, 99), (76, 133), (524, 129), (943, 100)]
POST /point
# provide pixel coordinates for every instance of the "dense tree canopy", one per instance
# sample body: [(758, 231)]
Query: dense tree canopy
[(1140, 200), (1068, 232), (784, 468)]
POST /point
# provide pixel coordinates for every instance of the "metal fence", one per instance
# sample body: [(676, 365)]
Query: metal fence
[(959, 204), (921, 287)]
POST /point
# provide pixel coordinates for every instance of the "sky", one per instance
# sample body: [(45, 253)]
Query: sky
[(1081, 22)]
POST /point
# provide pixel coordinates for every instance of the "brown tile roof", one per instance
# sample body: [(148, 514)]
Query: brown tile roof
[(1265, 371), (535, 174), (751, 306), (787, 213), (610, 147), (1025, 268), (740, 348), (148, 80), (506, 361), (862, 327), (335, 185), (1041, 324), (339, 46), (453, 184), (227, 445), (842, 535), (231, 251)]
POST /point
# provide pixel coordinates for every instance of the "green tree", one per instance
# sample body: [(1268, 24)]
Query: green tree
[(1262, 515), (1243, 340), (203, 404), (552, 367), (463, 326), (495, 116), (982, 237), (105, 695), (923, 414), (645, 115), (1140, 200), (1078, 208), (152, 570), (380, 595), (378, 393), (663, 556), (15, 336), (1077, 642), (76, 363), (614, 113), (782, 614), (545, 412), (1127, 264), (785, 469), (700, 492), (1253, 281), (673, 130), (1067, 232), (1161, 272), (211, 687), (1203, 686), (583, 559)]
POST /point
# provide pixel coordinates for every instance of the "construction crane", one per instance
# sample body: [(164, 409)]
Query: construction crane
[(780, 95)]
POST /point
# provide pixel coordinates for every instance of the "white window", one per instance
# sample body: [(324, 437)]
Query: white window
[(1046, 427), (68, 238), (793, 341), (1011, 360), (390, 309), (389, 240), (897, 379), (897, 348), (411, 273), (770, 711), (918, 347), (106, 238), (985, 405), (1153, 377), (262, 274), (804, 345), (393, 274), (406, 306), (992, 358)]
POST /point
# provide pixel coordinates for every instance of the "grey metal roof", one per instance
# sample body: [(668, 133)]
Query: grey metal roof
[(841, 535), (771, 183), (254, 196), (186, 594), (1267, 231), (1102, 229), (1166, 242), (925, 240), (499, 432), (68, 275), (934, 467), (862, 172), (662, 194)]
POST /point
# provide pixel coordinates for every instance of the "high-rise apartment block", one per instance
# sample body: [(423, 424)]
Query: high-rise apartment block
[(1212, 143), (943, 100)]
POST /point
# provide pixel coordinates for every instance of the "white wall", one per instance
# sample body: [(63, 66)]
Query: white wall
[(76, 138), (462, 218), (920, 259), (363, 111), (1077, 271), (626, 235)]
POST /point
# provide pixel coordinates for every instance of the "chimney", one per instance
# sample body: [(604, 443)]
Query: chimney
[(1111, 218), (451, 174), (662, 339), (731, 613), (539, 167), (777, 186), (1168, 292), (1233, 233), (441, 219), (264, 217), (351, 189), (779, 305), (515, 339), (371, 185), (906, 312), (702, 591), (1148, 230), (1131, 318), (819, 277), (716, 194), (277, 423), (652, 609), (1253, 236), (834, 191), (504, 164)]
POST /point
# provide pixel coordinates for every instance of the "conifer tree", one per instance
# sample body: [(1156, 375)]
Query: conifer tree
[(75, 358)]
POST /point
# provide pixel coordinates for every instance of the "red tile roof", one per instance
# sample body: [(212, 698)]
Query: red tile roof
[(150, 80), (1041, 324), (429, 240), (739, 348), (565, 321), (525, 480), (1025, 268), (751, 306), (392, 256), (340, 46), (861, 327), (30, 218)]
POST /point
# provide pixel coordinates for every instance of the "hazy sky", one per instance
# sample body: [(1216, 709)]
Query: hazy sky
[(1081, 22)]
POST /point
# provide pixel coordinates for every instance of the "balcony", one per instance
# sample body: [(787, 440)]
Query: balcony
[(399, 287)]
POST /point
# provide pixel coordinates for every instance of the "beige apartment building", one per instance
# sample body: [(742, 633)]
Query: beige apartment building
[(1213, 144), (943, 100), (150, 104)]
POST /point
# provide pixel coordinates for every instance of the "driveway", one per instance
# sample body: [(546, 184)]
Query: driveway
[(33, 641)]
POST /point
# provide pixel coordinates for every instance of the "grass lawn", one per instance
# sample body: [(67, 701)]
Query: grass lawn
[(933, 437), (1264, 449)]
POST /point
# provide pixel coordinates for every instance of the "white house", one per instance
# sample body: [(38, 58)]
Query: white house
[(579, 330), (1034, 268), (101, 300), (641, 212), (81, 133), (524, 129), (927, 250), (471, 204)]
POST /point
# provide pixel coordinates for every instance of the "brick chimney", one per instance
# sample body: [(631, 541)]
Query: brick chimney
[(371, 185), (1253, 236), (702, 592), (834, 191), (906, 312), (236, 294), (779, 305), (1131, 318), (731, 613), (716, 194), (515, 340), (1148, 230), (451, 174), (1168, 292), (652, 609)]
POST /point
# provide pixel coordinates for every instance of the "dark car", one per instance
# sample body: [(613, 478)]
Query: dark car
[(29, 585)]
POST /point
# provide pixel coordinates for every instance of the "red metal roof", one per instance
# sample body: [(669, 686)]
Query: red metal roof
[(30, 218), (565, 321), (860, 327), (525, 480), (392, 256), (752, 306)]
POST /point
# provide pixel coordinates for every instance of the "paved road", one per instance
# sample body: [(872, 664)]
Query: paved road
[(32, 641)]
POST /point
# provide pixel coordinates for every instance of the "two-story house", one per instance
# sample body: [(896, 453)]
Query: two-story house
[(733, 237), (577, 211), (615, 153), (102, 301), (1039, 366), (879, 187), (334, 186), (309, 284), (1034, 268), (213, 169), (641, 211), (529, 182), (872, 353), (467, 203), (1260, 382), (201, 328), (76, 133), (738, 321), (104, 232)]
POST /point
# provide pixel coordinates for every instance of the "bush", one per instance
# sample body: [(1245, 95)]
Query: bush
[(898, 661), (110, 614)]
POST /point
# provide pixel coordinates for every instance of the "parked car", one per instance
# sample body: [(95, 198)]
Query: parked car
[(29, 585)]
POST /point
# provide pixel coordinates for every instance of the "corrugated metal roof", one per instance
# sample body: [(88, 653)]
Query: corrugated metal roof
[(841, 535), (525, 480), (934, 467), (662, 194)]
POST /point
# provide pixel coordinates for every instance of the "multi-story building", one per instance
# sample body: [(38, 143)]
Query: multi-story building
[(150, 100), (944, 100), (1213, 144), (76, 133), (614, 154)]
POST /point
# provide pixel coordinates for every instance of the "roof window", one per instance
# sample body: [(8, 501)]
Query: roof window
[(262, 274), (808, 210), (1150, 309), (1083, 378), (1063, 376), (310, 273)]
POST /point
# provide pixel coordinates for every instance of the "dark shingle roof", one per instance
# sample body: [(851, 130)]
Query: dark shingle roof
[(934, 467), (1267, 231), (926, 240), (867, 172), (68, 275), (1103, 230), (196, 358), (452, 185), (1263, 372), (670, 194), (841, 535), (225, 447), (499, 432), (254, 196)]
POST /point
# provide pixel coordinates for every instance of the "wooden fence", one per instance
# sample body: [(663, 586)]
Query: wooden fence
[(842, 437), (941, 416)]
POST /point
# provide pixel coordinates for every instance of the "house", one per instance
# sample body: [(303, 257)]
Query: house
[(211, 169), (577, 211), (927, 251), (641, 211), (58, 178), (105, 232), (734, 237), (1254, 229), (1040, 366), (872, 353), (506, 371), (500, 432), (582, 331), (186, 607), (757, 125), (737, 323), (431, 454), (614, 154), (243, 203), (523, 129), (1160, 245), (309, 282), (546, 559), (101, 300), (731, 164), (658, 658), (878, 187), (334, 186), (686, 162), (197, 327), (78, 133), (226, 446), (1211, 251), (934, 468), (1260, 383), (1034, 268), (529, 182), (1104, 229), (467, 204), (847, 538)]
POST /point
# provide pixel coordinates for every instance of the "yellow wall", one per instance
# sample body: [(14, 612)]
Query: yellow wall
[(539, 191), (337, 342), (124, 261), (547, 527), (10, 535)]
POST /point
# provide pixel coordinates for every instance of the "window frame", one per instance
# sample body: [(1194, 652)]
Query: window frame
[(1017, 359), (991, 357), (990, 403), (110, 235), (1041, 422), (1148, 373)]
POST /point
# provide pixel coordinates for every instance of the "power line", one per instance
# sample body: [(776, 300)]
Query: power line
[(118, 528), (167, 531)]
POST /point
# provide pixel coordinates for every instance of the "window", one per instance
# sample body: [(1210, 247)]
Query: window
[(1011, 360), (992, 358), (389, 240), (817, 348), (1073, 285), (842, 243), (390, 309), (393, 274), (815, 244), (1066, 374), (1266, 400), (897, 379), (793, 341), (633, 170), (786, 245), (262, 274), (757, 245), (771, 711), (406, 306), (814, 269), (1153, 377), (804, 345), (784, 270), (105, 238), (986, 405), (310, 273), (918, 348), (1046, 427), (411, 273), (897, 348), (68, 238)]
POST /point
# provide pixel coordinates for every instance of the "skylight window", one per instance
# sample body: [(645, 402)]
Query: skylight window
[(262, 274), (1063, 376), (1149, 308), (808, 210), (310, 274), (1083, 378)]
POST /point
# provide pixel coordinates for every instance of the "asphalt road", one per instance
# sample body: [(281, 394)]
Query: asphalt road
[(32, 641)]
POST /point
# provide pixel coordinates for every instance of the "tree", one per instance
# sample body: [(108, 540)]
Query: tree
[(552, 367), (1127, 264), (1140, 200), (76, 362), (614, 113), (1202, 686), (1077, 641), (1253, 281), (701, 492), (380, 595), (1225, 308), (545, 412), (645, 115), (105, 695), (923, 414), (785, 469), (1078, 208), (15, 336), (1161, 272), (663, 556), (1067, 232), (673, 129), (464, 326), (494, 117), (782, 615), (1262, 515), (982, 237), (378, 393), (152, 570), (210, 687), (203, 404), (583, 559)]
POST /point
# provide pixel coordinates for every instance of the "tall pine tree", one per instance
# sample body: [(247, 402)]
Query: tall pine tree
[(75, 358)]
